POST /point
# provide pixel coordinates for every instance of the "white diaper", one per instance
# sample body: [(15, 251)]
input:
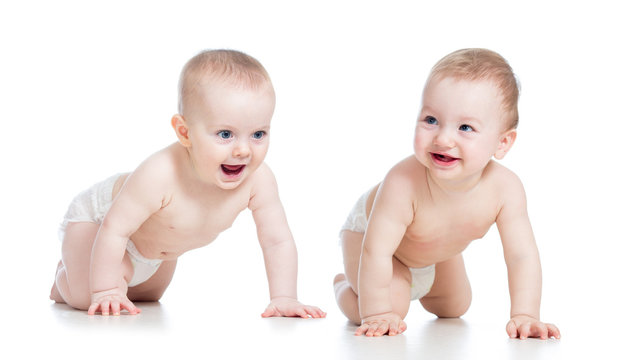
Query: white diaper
[(422, 278), (92, 205), (143, 268), (357, 219)]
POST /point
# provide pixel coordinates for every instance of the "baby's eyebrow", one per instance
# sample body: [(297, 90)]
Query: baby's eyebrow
[(469, 119)]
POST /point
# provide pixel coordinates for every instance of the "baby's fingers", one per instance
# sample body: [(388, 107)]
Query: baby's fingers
[(393, 329), (543, 331), (269, 312), (103, 307), (553, 331), (93, 309), (106, 306), (381, 329), (314, 312), (130, 307), (116, 308), (372, 329), (362, 329), (512, 329), (524, 331), (397, 328)]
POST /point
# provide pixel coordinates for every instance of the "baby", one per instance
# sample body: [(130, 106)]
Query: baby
[(403, 239), (122, 237)]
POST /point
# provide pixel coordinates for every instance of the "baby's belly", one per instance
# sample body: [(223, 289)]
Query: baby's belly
[(168, 246), (421, 254)]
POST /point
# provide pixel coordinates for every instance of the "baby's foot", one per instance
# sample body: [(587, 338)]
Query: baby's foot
[(54, 294), (338, 278), (339, 281)]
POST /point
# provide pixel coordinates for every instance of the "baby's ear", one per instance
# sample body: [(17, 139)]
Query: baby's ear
[(181, 129), (506, 141)]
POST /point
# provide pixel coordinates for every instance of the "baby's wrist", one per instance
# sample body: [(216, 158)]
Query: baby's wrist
[(513, 316), (378, 314)]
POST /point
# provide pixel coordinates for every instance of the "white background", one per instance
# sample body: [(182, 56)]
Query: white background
[(88, 89)]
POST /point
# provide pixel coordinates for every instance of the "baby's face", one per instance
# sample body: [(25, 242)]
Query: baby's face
[(460, 127), (229, 130)]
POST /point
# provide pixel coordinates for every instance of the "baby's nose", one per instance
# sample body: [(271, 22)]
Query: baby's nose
[(444, 139), (241, 150)]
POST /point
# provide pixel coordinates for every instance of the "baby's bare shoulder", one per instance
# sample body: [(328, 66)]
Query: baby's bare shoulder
[(499, 175), (405, 179), (158, 173), (504, 185), (169, 162), (263, 187), (406, 176)]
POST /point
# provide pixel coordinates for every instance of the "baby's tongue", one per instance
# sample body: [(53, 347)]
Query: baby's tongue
[(231, 169)]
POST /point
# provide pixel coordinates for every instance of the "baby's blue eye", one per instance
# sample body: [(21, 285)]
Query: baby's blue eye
[(258, 135), (431, 120), (225, 134), (466, 127)]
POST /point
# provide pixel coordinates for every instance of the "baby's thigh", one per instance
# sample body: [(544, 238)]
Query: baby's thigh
[(77, 248), (352, 248), (154, 287), (450, 295)]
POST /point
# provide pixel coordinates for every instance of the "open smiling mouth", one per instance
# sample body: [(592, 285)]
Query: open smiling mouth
[(232, 170), (445, 159)]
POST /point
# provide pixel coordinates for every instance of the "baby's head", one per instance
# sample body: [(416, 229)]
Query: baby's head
[(226, 103), (468, 114), (213, 68), (482, 64)]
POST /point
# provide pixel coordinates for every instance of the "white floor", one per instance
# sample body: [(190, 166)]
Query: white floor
[(175, 330), (165, 330), (213, 306)]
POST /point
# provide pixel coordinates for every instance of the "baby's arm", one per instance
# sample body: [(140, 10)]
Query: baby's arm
[(391, 214), (136, 201), (278, 246), (523, 265)]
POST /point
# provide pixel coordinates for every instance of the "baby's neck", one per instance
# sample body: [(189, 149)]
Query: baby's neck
[(454, 187)]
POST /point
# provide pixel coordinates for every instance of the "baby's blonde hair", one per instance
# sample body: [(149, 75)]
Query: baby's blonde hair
[(229, 66), (482, 64)]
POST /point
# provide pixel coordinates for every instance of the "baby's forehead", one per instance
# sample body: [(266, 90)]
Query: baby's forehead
[(210, 86), (448, 87), (465, 97), (462, 80)]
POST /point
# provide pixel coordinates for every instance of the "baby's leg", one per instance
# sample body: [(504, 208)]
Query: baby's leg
[(54, 294), (153, 289), (72, 276), (346, 285), (451, 295)]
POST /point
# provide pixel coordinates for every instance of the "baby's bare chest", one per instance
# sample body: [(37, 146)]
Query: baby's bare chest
[(185, 224), (441, 232), (450, 225)]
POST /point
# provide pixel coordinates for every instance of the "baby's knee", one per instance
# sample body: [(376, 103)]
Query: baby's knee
[(151, 295), (63, 293), (447, 308), (455, 311), (79, 302)]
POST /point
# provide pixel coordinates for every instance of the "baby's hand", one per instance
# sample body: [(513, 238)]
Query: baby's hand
[(113, 299), (524, 326), (283, 306), (378, 325)]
